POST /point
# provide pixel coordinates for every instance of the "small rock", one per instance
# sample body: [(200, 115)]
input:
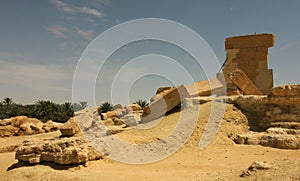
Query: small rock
[(131, 119), (117, 106), (70, 128), (254, 167)]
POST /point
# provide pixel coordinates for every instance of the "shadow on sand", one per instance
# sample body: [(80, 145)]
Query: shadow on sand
[(50, 164)]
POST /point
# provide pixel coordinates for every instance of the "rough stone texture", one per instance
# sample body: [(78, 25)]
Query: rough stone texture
[(5, 122), (254, 167), (27, 126), (70, 128), (9, 130), (167, 102), (241, 80), (118, 113), (250, 54), (22, 125), (61, 150), (160, 93), (286, 91), (134, 107), (283, 141), (277, 115), (205, 88), (50, 126), (131, 119), (190, 102)]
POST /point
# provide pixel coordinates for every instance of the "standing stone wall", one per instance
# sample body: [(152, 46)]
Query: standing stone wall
[(250, 54)]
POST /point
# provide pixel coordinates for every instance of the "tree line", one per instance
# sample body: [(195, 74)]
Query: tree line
[(42, 110)]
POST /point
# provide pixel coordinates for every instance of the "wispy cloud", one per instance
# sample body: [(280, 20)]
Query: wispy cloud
[(67, 8), (57, 30), (90, 11), (85, 34)]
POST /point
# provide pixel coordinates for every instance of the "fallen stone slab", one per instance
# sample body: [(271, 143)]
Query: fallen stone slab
[(242, 81), (164, 104), (63, 151), (204, 88)]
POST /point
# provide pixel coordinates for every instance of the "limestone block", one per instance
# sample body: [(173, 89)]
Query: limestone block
[(167, 102), (240, 79), (204, 88), (259, 40)]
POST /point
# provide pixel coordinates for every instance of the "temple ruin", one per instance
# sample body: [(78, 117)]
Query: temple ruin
[(244, 72), (250, 54)]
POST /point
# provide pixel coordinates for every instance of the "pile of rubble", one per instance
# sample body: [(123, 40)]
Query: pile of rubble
[(22, 125), (277, 118)]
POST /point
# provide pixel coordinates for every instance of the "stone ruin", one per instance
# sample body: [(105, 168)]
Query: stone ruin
[(273, 113), (250, 54), (245, 71)]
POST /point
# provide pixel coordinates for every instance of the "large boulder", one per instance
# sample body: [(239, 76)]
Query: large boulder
[(59, 150), (70, 128), (6, 131), (27, 126)]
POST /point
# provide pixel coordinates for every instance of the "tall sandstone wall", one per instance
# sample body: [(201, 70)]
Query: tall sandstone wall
[(250, 54)]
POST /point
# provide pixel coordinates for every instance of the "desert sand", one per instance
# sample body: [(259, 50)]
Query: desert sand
[(222, 159)]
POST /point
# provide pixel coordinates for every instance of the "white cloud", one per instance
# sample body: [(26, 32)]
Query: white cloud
[(57, 30), (67, 8), (90, 11), (86, 34)]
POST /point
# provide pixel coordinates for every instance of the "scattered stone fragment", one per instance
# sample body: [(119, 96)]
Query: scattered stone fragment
[(70, 128), (254, 167), (131, 119)]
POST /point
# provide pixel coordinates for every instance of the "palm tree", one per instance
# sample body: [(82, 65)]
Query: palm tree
[(142, 103), (83, 104), (103, 108), (7, 101)]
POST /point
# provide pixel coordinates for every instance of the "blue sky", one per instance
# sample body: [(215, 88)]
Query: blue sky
[(42, 41)]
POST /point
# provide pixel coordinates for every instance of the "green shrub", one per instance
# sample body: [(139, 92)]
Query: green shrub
[(103, 108), (142, 103), (43, 110)]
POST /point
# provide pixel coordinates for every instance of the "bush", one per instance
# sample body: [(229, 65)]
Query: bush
[(47, 110), (142, 103), (43, 110), (103, 108)]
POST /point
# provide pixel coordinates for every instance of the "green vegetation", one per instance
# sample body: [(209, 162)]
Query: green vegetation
[(79, 106), (142, 103), (43, 110), (103, 108)]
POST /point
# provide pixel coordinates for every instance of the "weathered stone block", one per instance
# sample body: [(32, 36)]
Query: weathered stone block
[(167, 102), (240, 79), (259, 40)]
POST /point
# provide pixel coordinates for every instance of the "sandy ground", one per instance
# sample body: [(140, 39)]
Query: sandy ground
[(220, 160)]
